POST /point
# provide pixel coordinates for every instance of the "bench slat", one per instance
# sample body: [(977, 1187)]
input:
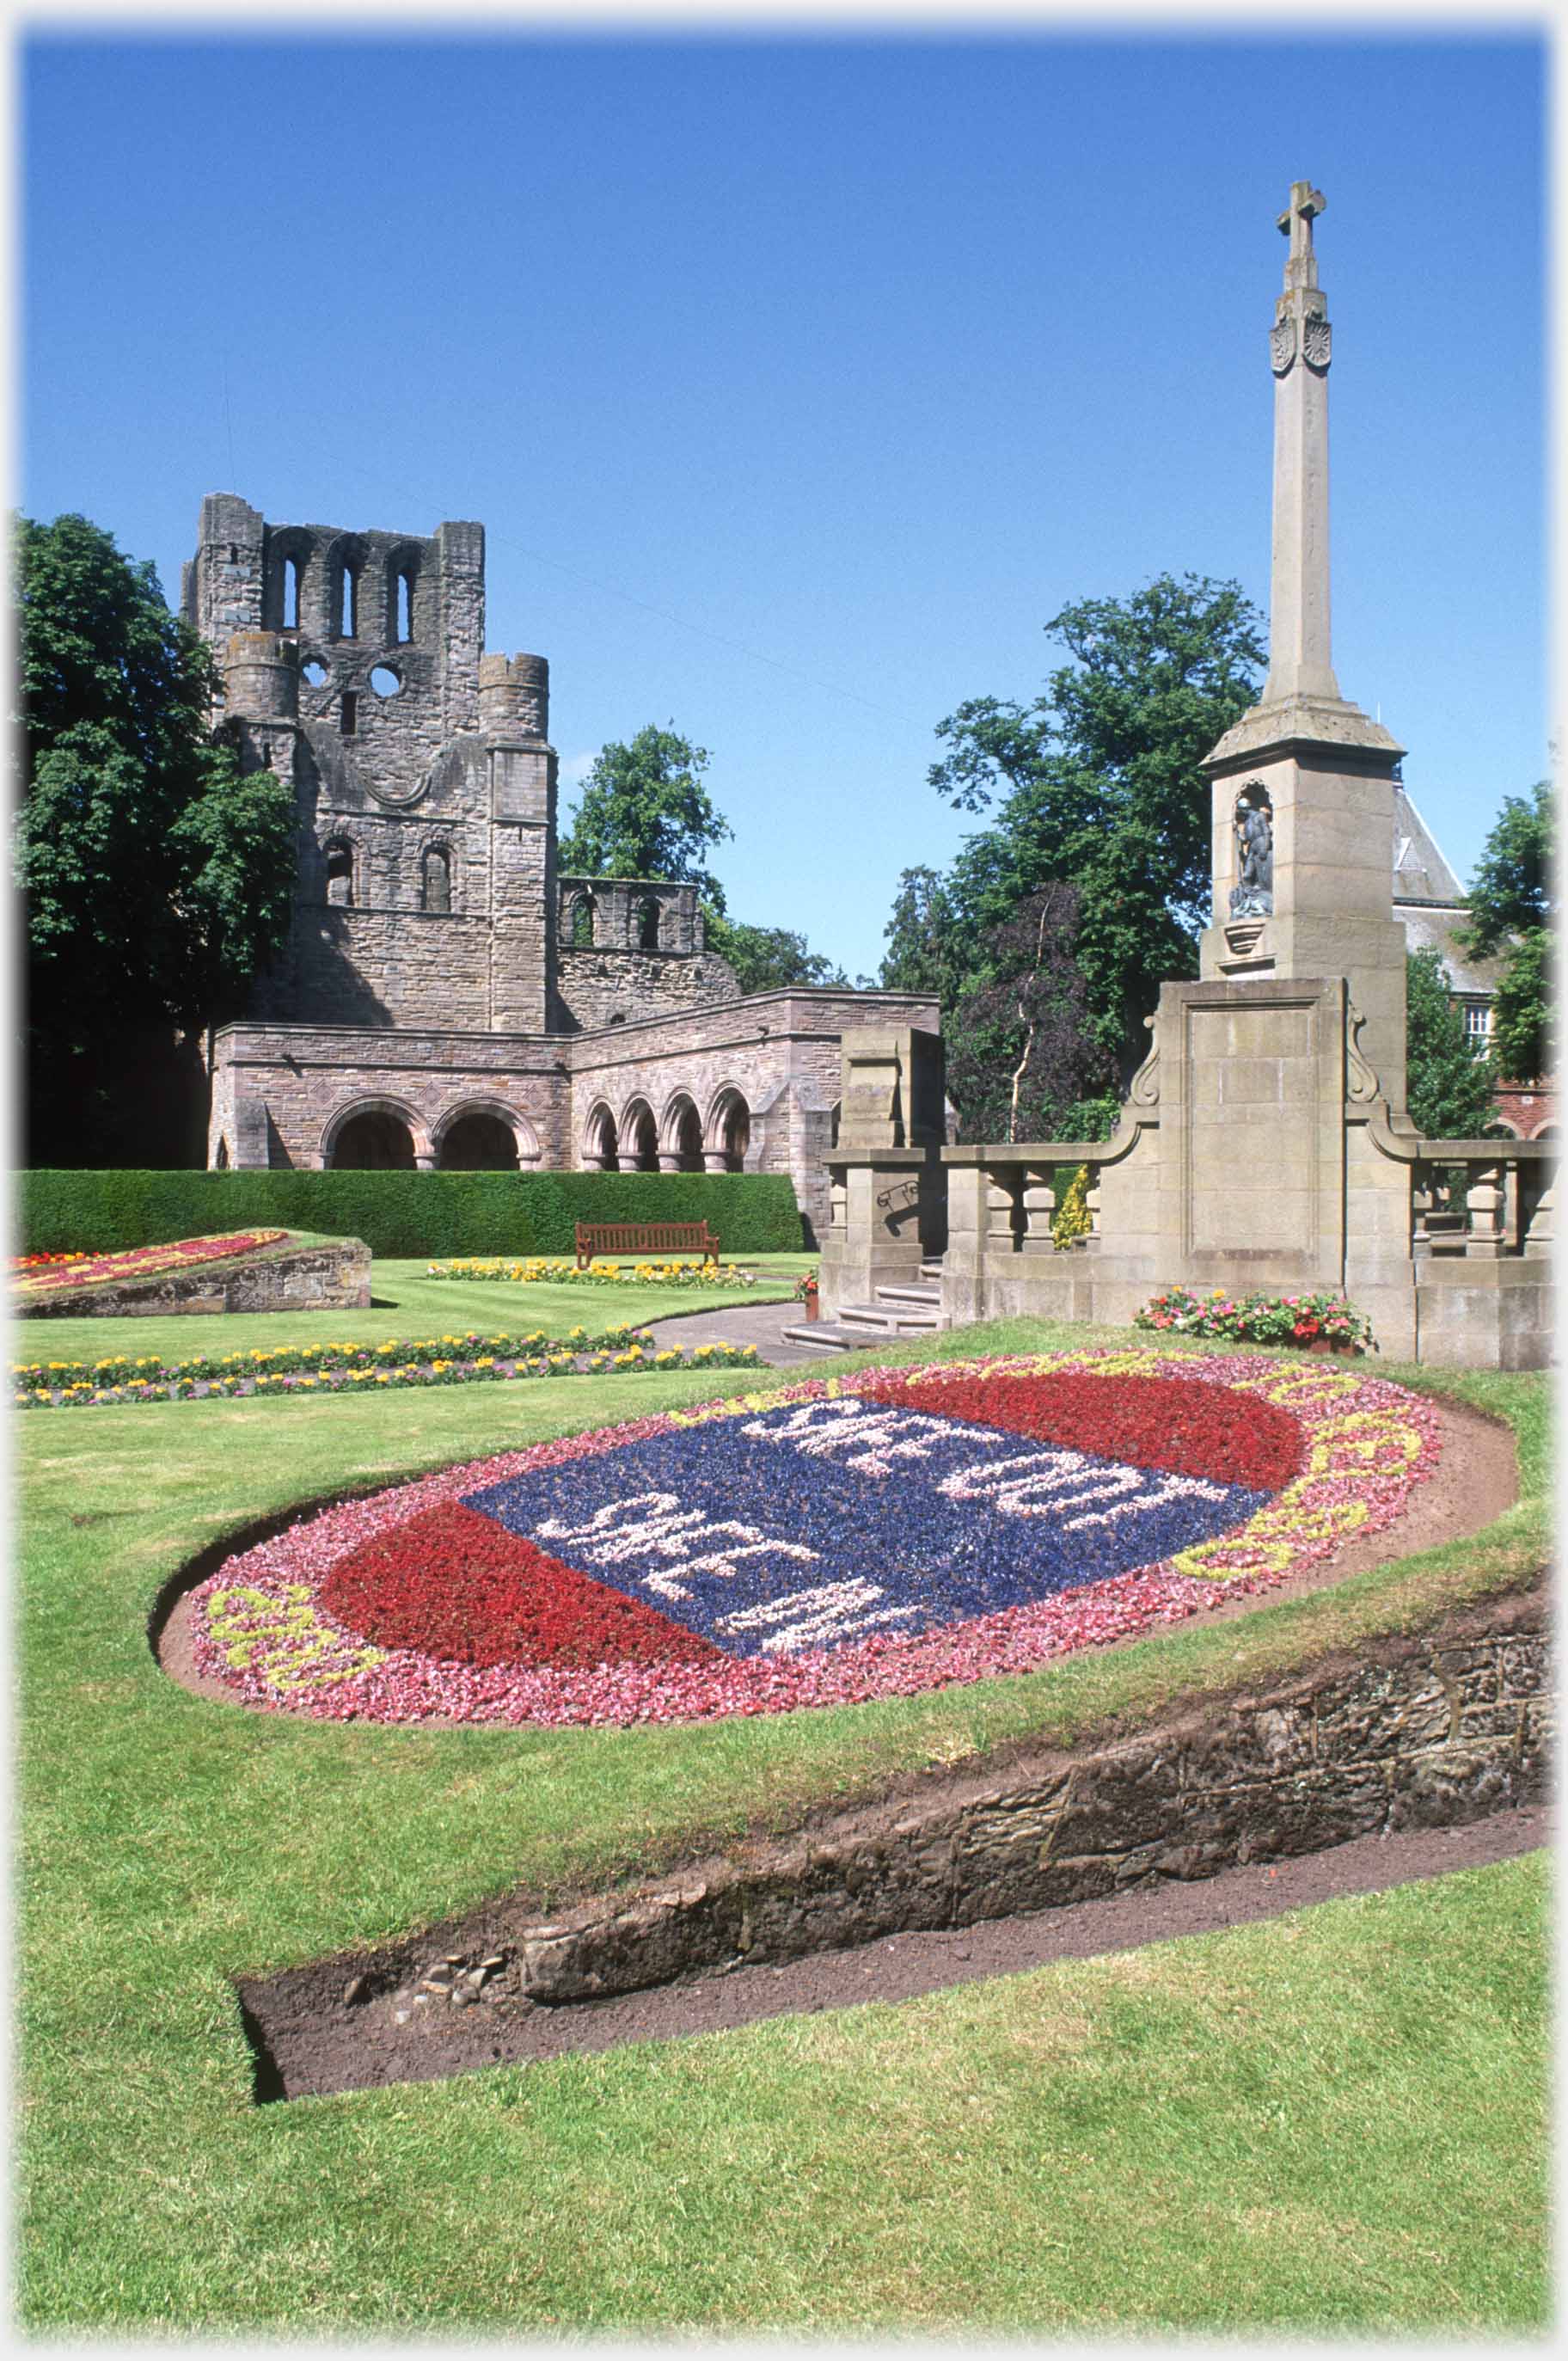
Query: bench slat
[(645, 1237)]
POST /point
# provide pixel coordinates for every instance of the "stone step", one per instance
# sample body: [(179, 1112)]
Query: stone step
[(908, 1294), (897, 1322), (932, 1270), (823, 1334)]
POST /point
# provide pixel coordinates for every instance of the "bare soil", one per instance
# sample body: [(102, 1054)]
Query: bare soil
[(310, 2039)]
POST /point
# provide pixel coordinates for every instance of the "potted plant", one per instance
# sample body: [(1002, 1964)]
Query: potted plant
[(806, 1292)]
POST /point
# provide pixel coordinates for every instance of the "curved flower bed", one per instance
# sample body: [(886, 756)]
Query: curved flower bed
[(817, 1544), (320, 1370), (73, 1271)]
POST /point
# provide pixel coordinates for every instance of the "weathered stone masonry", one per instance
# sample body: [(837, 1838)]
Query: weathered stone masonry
[(444, 997)]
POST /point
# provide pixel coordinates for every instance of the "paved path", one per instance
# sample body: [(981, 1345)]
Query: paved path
[(762, 1325)]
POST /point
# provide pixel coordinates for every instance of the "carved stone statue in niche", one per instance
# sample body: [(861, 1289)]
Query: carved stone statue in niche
[(1252, 896)]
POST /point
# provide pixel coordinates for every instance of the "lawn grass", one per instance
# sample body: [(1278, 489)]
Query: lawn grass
[(1132, 2145), (406, 1303)]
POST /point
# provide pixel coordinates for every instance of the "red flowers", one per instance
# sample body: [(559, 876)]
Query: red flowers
[(456, 1586), (136, 1262), (1187, 1426)]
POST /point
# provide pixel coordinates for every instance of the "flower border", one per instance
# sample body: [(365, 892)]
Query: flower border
[(256, 1628)]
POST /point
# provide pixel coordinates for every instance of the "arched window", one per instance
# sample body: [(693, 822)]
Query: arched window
[(290, 594), (340, 871), (435, 879), (580, 927), (221, 1160), (376, 1141), (349, 603), (647, 923), (403, 603)]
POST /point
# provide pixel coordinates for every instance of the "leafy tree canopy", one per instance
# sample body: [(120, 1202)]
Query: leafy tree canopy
[(1513, 910), (1524, 1013), (156, 878), (1098, 784), (766, 958), (645, 812), (1448, 1077), (1513, 890)]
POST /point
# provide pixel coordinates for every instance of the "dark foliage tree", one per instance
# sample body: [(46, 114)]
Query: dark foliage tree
[(1023, 1060), (1097, 784), (156, 878), (1447, 1075), (645, 812)]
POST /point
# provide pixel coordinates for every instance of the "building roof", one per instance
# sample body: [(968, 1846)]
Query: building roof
[(1420, 872)]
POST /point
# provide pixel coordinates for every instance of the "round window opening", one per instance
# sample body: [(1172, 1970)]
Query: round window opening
[(313, 672), (386, 682)]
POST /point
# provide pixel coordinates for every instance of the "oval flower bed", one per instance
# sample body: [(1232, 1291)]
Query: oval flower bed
[(819, 1544)]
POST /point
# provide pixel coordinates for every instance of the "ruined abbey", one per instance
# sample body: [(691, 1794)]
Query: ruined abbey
[(445, 999)]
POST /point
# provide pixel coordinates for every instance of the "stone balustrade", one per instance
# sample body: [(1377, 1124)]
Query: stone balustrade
[(1482, 1198)]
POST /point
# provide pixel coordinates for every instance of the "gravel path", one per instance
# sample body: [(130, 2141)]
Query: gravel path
[(762, 1325)]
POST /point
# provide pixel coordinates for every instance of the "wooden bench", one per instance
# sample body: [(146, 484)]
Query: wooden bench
[(645, 1237)]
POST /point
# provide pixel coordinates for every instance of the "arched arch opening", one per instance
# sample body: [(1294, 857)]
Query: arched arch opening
[(338, 854), (639, 1139), (288, 556), (730, 1129), (435, 879), (478, 1141), (578, 922), (221, 1160), (403, 574), (601, 1141), (375, 1140), (645, 920), (683, 1134)]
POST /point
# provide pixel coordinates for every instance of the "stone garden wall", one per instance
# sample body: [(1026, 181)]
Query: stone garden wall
[(1427, 1731)]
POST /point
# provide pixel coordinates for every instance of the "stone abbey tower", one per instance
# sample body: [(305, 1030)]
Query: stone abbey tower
[(445, 997)]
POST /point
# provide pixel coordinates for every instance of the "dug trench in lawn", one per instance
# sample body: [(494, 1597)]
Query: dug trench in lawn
[(1414, 1755)]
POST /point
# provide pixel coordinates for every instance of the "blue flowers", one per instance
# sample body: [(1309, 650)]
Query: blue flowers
[(808, 1526)]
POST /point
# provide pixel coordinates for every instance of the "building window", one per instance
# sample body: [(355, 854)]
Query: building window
[(290, 594), (348, 719), (348, 601), (340, 874), (1479, 1019), (403, 603), (435, 885), (647, 922)]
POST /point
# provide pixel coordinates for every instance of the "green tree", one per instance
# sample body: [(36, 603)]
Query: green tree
[(156, 879), (1524, 1013), (1513, 910), (645, 812), (1447, 1075), (1098, 784), (767, 957)]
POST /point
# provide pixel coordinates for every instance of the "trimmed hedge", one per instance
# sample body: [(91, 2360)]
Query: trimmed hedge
[(400, 1213)]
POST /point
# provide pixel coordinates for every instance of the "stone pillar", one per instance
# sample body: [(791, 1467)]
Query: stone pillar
[(514, 705), (1303, 784), (715, 1160), (887, 1162)]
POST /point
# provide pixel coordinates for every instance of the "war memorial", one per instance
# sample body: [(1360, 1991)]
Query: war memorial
[(1265, 1140)]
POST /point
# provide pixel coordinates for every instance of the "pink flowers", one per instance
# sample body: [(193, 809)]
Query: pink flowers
[(341, 1618)]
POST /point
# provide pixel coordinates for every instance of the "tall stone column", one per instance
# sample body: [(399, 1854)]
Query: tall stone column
[(1304, 784)]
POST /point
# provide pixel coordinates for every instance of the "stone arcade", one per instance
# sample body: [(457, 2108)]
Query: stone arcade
[(1265, 1143), (446, 998)]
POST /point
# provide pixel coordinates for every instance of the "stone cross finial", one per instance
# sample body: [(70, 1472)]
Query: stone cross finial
[(1295, 221)]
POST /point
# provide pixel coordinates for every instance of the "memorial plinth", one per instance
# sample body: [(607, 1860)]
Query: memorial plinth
[(1265, 1145)]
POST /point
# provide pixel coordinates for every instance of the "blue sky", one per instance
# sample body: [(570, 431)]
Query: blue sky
[(798, 381)]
